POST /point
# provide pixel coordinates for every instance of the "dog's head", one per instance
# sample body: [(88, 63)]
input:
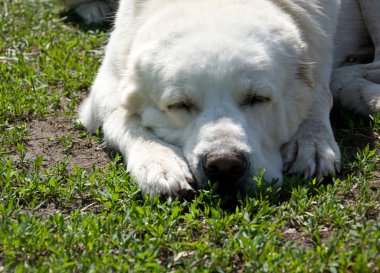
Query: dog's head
[(227, 84)]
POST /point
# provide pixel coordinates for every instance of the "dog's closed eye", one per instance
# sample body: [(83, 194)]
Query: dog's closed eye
[(253, 99), (185, 105)]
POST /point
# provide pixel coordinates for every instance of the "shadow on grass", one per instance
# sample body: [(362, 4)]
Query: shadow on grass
[(352, 132), (71, 18)]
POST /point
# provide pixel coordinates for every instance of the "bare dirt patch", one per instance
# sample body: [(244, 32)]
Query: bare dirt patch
[(299, 237), (56, 139)]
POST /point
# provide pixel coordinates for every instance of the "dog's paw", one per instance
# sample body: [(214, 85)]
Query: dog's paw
[(362, 96), (358, 87), (161, 171), (342, 76), (312, 151), (373, 72)]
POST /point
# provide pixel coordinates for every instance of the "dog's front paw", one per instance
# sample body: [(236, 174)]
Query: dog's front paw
[(161, 171), (312, 151)]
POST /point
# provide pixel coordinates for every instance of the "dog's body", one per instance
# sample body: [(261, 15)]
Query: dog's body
[(196, 90)]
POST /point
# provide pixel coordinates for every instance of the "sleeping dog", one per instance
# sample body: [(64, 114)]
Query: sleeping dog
[(191, 91)]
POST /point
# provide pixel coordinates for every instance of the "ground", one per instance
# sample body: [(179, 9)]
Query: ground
[(55, 138), (67, 204)]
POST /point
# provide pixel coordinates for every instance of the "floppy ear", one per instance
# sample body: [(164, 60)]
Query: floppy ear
[(132, 100), (305, 71)]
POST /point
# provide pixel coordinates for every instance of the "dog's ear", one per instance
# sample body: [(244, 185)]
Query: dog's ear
[(132, 100), (305, 70)]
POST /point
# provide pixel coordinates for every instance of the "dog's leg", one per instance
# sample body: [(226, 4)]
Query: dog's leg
[(359, 84), (105, 95), (158, 168), (371, 14), (313, 151)]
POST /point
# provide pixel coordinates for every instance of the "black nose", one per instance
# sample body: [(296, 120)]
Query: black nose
[(223, 167)]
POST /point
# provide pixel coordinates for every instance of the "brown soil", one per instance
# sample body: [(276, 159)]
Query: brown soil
[(55, 138), (299, 237)]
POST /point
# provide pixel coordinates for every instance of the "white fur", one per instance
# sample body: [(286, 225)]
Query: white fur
[(214, 53), (357, 83)]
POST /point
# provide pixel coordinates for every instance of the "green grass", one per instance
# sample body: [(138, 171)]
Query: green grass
[(60, 218)]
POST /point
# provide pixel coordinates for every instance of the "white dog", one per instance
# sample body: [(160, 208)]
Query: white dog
[(195, 90)]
